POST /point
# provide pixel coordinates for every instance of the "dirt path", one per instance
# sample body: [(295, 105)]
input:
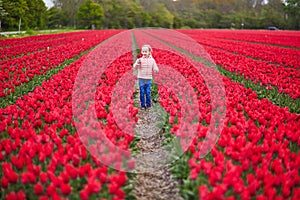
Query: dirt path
[(153, 179)]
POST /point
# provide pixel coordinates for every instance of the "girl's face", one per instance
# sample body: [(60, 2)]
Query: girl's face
[(145, 52)]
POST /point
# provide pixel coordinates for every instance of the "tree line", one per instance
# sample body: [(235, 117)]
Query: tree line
[(127, 14)]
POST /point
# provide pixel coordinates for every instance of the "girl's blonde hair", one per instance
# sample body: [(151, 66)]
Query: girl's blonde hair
[(148, 46)]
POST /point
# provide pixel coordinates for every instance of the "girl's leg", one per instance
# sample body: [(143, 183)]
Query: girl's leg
[(142, 93), (148, 93)]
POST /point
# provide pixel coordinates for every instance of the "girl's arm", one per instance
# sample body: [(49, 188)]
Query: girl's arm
[(155, 68), (137, 62)]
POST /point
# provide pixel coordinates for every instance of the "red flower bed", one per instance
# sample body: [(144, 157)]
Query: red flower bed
[(11, 48), (20, 70), (282, 38), (45, 154), (271, 54), (253, 152), (258, 149), (33, 44), (268, 75)]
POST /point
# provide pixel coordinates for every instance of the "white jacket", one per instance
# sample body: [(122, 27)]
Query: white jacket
[(145, 67)]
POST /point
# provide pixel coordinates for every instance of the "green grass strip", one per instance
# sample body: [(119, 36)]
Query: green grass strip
[(135, 48), (135, 52), (128, 187), (279, 99)]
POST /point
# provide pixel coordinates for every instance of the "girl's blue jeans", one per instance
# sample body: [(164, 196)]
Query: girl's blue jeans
[(145, 87)]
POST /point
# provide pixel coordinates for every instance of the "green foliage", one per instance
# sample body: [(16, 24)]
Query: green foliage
[(107, 14), (35, 16), (30, 32), (161, 17), (55, 18), (3, 12), (90, 14), (177, 22), (293, 13), (124, 14), (31, 14), (15, 10), (68, 9)]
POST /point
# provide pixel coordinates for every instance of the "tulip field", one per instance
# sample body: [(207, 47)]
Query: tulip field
[(244, 144)]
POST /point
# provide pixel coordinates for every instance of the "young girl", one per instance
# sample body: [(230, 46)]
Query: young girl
[(146, 64)]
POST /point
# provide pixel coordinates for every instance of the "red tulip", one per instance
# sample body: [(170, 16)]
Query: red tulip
[(12, 177), (238, 187), (43, 177), (65, 189), (4, 182), (11, 195), (120, 194), (131, 164), (202, 191), (51, 189), (94, 187), (38, 189), (43, 197), (113, 188), (84, 195), (72, 172)]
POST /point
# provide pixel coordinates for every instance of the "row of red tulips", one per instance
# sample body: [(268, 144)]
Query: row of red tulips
[(21, 70), (45, 156), (260, 72), (267, 75), (12, 48), (270, 54), (39, 137), (281, 38), (13, 42), (29, 45), (256, 153), (255, 144), (253, 155)]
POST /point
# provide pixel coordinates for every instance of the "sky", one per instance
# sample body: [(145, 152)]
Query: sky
[(48, 3)]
